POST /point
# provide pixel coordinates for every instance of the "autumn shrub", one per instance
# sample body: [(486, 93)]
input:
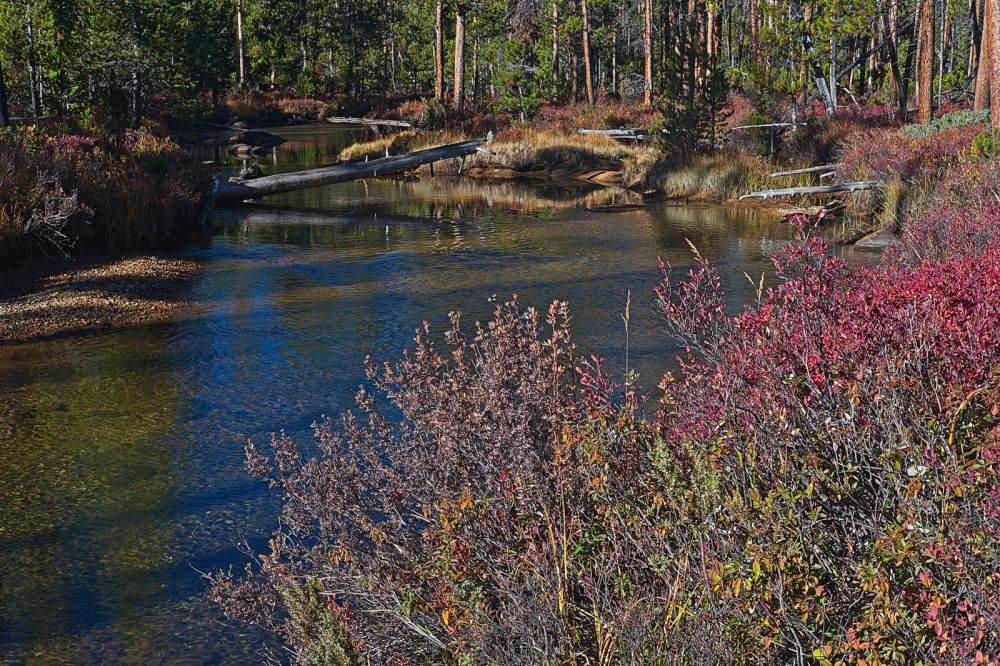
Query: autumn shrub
[(107, 193), (608, 114), (852, 416), (312, 109), (917, 174), (818, 484)]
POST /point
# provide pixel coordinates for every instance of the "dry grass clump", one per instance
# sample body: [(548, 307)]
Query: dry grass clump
[(558, 150), (397, 144), (521, 151), (719, 177)]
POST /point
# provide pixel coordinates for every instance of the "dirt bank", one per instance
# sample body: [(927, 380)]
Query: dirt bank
[(70, 297)]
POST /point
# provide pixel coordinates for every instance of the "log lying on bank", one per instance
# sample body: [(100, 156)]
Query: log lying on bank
[(795, 172), (816, 189), (255, 188), (369, 122), (619, 134), (766, 125)]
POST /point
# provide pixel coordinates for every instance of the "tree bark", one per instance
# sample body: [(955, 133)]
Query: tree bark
[(925, 62), (439, 50), (994, 26), (984, 62), (692, 53), (647, 94), (586, 54), (240, 45), (460, 58), (889, 44)]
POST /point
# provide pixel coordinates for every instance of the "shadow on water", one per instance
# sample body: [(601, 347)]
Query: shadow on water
[(123, 451)]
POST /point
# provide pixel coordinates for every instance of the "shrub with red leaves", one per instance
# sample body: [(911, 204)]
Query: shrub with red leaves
[(853, 416)]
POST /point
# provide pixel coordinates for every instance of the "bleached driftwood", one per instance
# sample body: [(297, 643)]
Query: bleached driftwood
[(768, 125), (794, 172), (622, 134), (815, 189), (369, 122)]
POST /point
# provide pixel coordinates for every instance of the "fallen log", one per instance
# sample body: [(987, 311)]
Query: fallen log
[(768, 125), (815, 189), (623, 134), (255, 188), (795, 172), (368, 121)]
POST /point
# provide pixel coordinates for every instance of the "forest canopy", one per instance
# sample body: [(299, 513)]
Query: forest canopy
[(126, 59)]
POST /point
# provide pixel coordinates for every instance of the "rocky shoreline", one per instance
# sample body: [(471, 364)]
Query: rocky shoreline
[(60, 297)]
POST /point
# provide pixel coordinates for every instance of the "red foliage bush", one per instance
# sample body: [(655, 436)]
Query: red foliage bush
[(854, 414), (886, 155)]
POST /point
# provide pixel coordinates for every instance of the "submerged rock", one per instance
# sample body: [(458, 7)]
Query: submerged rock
[(876, 241)]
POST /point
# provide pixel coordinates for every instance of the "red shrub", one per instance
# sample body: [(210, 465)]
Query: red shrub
[(853, 412)]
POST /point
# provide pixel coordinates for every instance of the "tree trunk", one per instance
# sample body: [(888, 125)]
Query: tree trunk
[(824, 91), (4, 113), (460, 58), (647, 94), (976, 17), (994, 64), (36, 105), (984, 61), (942, 53), (439, 50), (555, 43), (925, 62), (135, 111), (889, 45), (475, 63), (240, 45), (586, 54), (692, 53), (574, 91)]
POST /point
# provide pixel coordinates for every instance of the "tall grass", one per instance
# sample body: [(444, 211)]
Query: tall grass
[(717, 177)]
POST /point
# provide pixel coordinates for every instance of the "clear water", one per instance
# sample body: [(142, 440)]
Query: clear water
[(122, 452)]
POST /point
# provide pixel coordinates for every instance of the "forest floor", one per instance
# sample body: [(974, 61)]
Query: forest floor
[(66, 297)]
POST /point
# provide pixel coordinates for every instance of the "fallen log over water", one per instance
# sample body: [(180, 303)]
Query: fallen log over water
[(816, 189), (255, 188)]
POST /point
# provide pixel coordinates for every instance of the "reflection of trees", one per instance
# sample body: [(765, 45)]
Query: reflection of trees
[(87, 485)]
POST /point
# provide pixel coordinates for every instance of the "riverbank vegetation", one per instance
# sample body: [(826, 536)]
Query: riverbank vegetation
[(818, 481), (63, 192)]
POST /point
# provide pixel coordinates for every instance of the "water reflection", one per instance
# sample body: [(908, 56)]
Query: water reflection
[(123, 452)]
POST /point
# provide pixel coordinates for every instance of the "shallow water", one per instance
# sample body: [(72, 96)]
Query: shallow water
[(122, 475)]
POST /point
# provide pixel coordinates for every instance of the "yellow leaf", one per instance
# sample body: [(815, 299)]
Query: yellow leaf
[(444, 615)]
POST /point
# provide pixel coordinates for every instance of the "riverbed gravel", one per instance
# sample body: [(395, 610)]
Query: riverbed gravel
[(55, 298)]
